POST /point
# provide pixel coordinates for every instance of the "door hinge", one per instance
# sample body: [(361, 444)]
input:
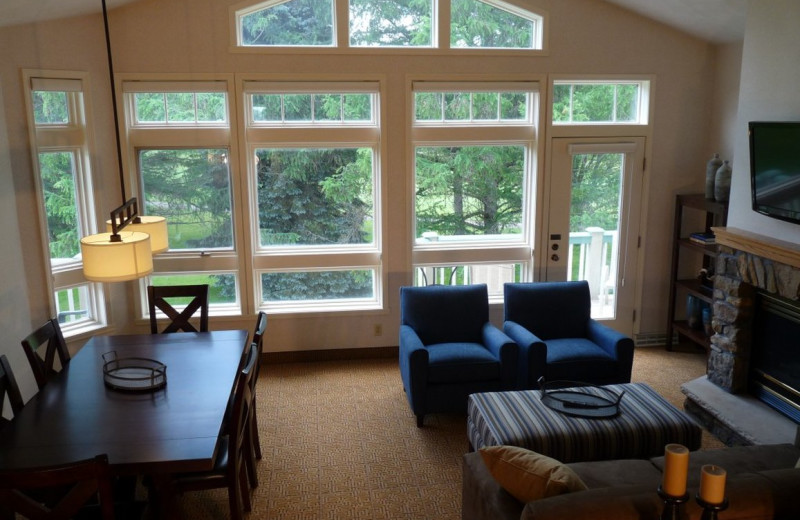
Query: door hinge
[(634, 315), (638, 242), (644, 164)]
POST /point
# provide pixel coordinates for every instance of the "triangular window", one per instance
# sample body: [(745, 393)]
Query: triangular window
[(296, 23), (493, 25)]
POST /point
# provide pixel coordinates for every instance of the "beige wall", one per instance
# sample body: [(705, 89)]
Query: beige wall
[(191, 36), (769, 92)]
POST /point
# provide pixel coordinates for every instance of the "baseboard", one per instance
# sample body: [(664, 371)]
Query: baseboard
[(304, 356), (650, 339)]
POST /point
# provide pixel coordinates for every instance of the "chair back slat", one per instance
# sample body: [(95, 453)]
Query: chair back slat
[(71, 486), (41, 347), (157, 297), (9, 387)]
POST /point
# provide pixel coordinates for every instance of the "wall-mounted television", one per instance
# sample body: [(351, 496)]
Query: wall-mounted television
[(775, 169)]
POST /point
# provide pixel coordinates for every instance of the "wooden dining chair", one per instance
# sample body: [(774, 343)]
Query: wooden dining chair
[(41, 347), (8, 387), (196, 297), (258, 339), (68, 488), (230, 468)]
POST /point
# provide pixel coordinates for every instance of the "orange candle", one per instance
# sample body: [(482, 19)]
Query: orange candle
[(712, 484), (676, 469)]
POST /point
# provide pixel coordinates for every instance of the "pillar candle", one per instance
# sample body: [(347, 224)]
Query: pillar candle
[(712, 484), (676, 469)]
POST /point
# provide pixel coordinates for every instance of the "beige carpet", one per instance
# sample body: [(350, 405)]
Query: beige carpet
[(340, 442)]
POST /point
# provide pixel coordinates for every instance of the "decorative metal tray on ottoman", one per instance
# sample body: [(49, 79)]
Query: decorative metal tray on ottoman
[(133, 374), (580, 399)]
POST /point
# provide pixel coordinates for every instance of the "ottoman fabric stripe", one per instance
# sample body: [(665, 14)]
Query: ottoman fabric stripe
[(645, 424)]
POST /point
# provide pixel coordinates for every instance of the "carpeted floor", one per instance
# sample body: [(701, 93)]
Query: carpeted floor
[(340, 442)]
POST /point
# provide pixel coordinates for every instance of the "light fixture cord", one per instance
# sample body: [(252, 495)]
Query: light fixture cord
[(114, 102)]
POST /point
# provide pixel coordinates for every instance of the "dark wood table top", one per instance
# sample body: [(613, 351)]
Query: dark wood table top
[(169, 430)]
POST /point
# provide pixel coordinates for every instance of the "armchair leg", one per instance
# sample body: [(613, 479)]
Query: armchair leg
[(420, 419)]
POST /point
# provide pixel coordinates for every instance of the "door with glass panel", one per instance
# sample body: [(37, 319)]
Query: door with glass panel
[(593, 221)]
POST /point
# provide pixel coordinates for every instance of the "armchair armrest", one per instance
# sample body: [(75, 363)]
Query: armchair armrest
[(532, 354), (616, 344), (413, 365), (504, 349)]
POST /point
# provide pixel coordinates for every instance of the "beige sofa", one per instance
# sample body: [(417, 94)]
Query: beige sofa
[(762, 483)]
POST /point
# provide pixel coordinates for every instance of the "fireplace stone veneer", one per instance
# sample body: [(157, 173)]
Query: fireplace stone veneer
[(746, 263)]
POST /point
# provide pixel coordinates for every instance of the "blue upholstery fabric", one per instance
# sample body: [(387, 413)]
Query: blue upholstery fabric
[(449, 349), (551, 322)]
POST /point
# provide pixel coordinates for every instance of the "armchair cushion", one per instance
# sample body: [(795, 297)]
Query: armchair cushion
[(445, 313), (540, 307), (460, 362)]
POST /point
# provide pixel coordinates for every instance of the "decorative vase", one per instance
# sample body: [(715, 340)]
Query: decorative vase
[(707, 328), (711, 172), (722, 182), (694, 312)]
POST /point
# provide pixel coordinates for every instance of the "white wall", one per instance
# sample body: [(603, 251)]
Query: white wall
[(770, 91), (15, 317), (192, 36)]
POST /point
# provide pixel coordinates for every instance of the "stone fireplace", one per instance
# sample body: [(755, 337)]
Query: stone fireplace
[(746, 265)]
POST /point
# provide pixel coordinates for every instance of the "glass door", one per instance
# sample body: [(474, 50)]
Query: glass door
[(593, 221)]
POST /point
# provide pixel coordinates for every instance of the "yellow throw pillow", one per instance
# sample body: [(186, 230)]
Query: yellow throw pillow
[(528, 475)]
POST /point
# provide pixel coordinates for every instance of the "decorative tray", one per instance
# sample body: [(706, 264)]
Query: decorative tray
[(133, 374), (580, 399)]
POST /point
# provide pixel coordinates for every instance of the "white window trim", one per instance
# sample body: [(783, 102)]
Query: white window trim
[(75, 137)]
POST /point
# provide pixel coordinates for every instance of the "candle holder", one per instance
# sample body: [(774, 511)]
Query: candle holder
[(710, 511), (672, 505)]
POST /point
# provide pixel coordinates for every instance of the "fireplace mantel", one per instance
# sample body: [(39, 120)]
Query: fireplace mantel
[(775, 249)]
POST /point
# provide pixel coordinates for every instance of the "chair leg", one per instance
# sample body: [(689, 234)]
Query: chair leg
[(420, 420), (254, 433)]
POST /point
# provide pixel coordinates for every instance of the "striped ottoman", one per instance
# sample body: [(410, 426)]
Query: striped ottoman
[(645, 424)]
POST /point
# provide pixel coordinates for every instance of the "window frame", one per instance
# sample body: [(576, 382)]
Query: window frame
[(76, 138), (440, 43), (359, 134), (518, 250), (187, 135)]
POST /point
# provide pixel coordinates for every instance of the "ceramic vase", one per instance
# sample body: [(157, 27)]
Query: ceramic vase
[(711, 172), (694, 312), (722, 182)]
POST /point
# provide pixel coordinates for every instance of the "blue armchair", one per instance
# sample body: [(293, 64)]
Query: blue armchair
[(558, 339), (449, 349)]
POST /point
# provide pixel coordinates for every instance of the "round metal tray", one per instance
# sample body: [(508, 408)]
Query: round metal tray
[(580, 399), (133, 374)]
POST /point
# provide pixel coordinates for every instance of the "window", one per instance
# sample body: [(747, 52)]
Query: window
[(493, 25), (600, 102), (315, 182), (473, 170), (399, 24), (180, 143), (57, 112), (306, 23)]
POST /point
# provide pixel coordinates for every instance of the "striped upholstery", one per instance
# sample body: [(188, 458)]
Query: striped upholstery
[(645, 424)]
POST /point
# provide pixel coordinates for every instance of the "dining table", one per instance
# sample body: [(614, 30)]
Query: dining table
[(157, 432)]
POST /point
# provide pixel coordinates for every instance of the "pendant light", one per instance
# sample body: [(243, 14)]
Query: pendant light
[(117, 255)]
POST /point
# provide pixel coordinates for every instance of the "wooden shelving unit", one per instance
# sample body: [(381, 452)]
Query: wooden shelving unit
[(716, 214)]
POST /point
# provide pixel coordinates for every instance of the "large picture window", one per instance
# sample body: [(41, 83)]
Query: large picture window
[(474, 159), (315, 179), (180, 147), (57, 112)]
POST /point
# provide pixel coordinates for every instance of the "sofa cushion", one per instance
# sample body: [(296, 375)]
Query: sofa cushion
[(528, 475), (610, 473), (739, 459)]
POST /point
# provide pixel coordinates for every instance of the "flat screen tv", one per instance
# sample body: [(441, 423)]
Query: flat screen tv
[(775, 169)]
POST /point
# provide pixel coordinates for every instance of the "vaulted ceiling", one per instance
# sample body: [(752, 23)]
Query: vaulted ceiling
[(718, 21)]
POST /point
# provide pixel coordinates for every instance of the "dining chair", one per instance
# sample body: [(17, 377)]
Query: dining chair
[(8, 387), (49, 340), (68, 488), (196, 297), (258, 339), (230, 468)]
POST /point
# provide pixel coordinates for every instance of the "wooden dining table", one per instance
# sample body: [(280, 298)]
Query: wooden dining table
[(159, 432)]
